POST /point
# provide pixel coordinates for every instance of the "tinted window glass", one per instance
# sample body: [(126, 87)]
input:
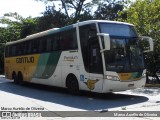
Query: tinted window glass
[(60, 41), (68, 39), (118, 29), (35, 46), (87, 32)]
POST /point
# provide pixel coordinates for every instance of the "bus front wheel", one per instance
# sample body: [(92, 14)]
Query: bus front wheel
[(72, 84)]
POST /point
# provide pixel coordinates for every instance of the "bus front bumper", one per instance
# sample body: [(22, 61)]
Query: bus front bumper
[(115, 86)]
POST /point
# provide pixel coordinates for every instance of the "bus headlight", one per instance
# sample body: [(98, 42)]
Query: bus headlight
[(110, 77)]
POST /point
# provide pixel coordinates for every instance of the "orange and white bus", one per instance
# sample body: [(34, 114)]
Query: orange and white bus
[(96, 55)]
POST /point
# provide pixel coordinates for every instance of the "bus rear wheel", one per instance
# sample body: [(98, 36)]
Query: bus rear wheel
[(72, 84), (20, 78), (14, 77)]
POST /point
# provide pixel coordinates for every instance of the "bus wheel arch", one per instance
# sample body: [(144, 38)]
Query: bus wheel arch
[(20, 78), (72, 84), (14, 77)]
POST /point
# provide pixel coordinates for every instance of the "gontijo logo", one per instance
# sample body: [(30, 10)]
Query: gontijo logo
[(25, 59)]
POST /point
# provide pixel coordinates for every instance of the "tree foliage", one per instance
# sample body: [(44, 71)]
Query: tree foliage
[(16, 27), (71, 8), (52, 18), (75, 10), (108, 10)]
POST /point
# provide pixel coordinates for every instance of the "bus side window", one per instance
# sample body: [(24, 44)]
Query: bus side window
[(65, 40), (72, 44), (20, 49), (52, 43), (17, 50), (27, 47), (34, 47), (60, 43), (43, 45), (7, 51), (13, 50), (69, 39), (49, 45), (40, 45), (74, 40), (57, 42)]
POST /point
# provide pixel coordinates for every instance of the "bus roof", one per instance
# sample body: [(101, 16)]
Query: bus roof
[(56, 30), (103, 21)]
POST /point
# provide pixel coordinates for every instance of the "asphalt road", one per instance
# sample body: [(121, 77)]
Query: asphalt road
[(50, 103)]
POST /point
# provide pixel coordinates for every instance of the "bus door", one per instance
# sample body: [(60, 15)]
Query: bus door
[(93, 73), (95, 61), (95, 65)]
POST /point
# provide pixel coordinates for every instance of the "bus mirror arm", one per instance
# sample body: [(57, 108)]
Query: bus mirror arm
[(149, 40), (107, 41)]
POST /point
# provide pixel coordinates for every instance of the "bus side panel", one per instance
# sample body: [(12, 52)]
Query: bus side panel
[(7, 68), (48, 69), (47, 64), (24, 64), (54, 80), (70, 65)]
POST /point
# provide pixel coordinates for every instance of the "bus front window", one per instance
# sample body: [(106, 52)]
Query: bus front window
[(125, 54)]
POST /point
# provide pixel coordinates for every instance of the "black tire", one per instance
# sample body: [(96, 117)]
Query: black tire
[(72, 85), (14, 77), (20, 79)]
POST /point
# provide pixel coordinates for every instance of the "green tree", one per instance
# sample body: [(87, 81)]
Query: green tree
[(16, 27), (12, 29), (28, 26), (108, 9), (70, 11), (9, 32), (52, 18), (71, 8)]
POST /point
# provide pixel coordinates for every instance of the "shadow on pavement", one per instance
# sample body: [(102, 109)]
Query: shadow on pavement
[(85, 101)]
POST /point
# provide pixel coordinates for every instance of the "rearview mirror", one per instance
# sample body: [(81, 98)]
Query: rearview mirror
[(107, 41), (147, 43)]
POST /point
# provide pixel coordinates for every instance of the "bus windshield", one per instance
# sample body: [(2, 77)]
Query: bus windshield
[(126, 51)]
